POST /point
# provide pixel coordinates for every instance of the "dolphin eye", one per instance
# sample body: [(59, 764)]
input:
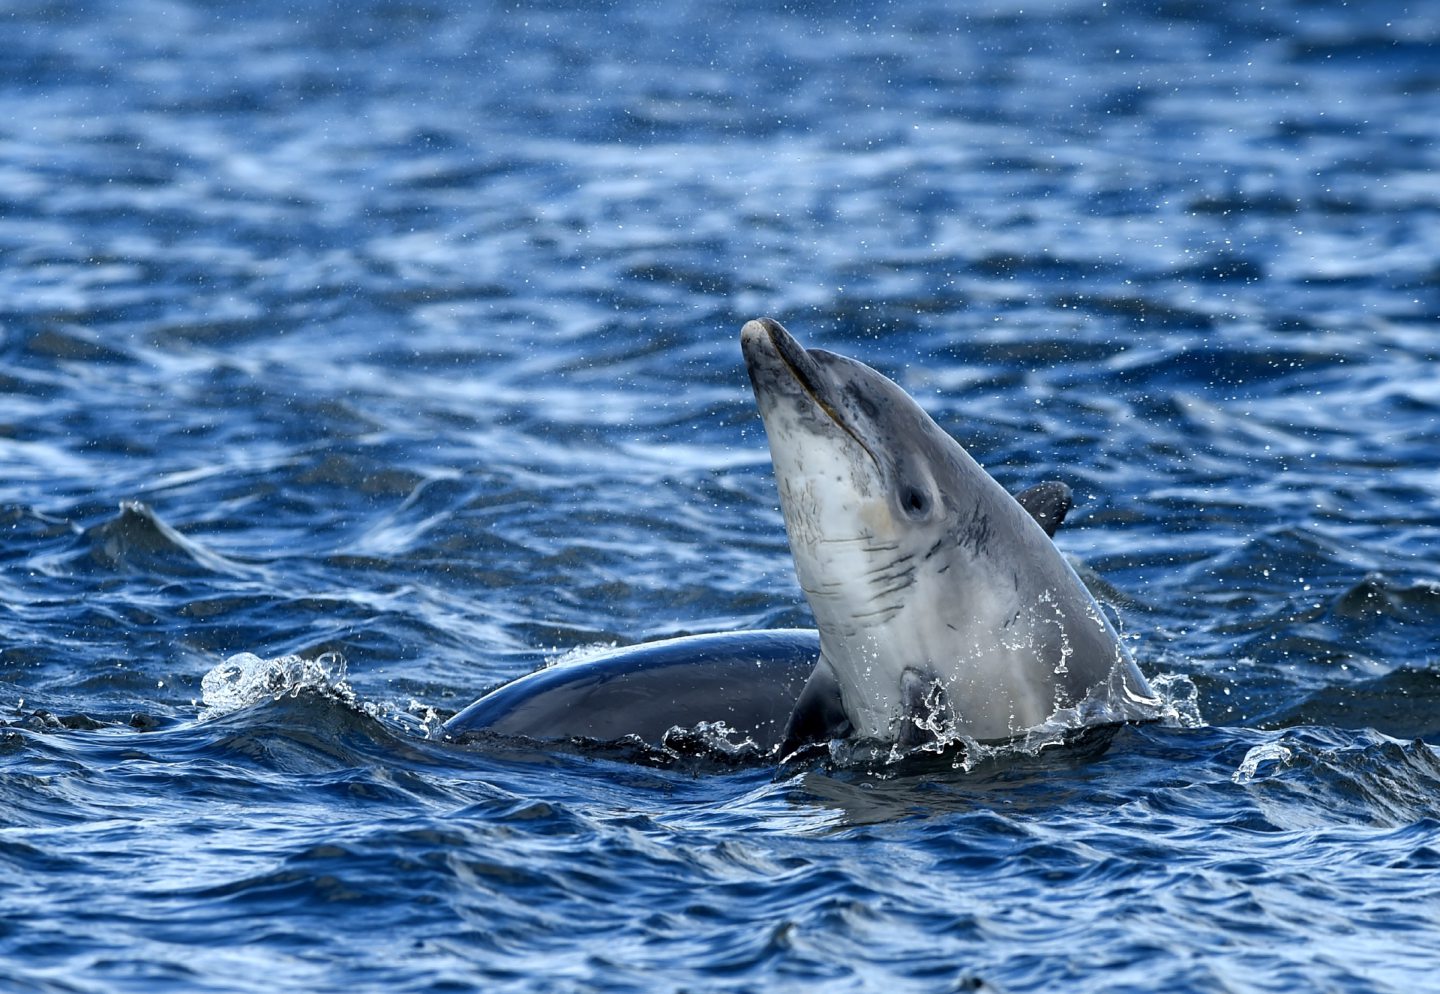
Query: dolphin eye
[(915, 501)]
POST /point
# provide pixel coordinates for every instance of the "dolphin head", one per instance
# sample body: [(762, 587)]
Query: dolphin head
[(856, 461), (939, 600)]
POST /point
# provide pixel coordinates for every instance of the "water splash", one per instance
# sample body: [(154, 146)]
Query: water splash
[(714, 740), (1270, 752), (578, 654), (1179, 700), (245, 679)]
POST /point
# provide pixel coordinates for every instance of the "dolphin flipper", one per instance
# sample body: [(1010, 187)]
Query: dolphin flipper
[(819, 714), (924, 702), (1048, 503)]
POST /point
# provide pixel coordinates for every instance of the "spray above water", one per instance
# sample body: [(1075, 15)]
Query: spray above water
[(245, 679)]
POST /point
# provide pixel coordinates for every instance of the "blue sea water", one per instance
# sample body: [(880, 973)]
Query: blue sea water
[(395, 344)]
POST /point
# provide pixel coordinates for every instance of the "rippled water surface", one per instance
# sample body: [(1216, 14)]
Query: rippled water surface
[(401, 339)]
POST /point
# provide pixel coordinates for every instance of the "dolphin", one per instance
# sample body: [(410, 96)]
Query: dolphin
[(945, 612), (658, 692)]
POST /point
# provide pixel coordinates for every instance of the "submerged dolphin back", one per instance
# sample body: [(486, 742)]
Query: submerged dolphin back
[(748, 680)]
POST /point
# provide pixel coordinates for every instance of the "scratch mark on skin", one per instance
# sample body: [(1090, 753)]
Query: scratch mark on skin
[(903, 585), (891, 547), (834, 590), (976, 533), (894, 569)]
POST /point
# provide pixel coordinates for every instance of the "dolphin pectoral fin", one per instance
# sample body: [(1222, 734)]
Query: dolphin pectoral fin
[(819, 714), (1048, 503), (923, 709)]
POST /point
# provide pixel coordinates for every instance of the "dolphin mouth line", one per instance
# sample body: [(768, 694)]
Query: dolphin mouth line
[(779, 343)]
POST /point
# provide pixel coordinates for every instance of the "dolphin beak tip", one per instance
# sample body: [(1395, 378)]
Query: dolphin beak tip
[(770, 335), (757, 341), (756, 329)]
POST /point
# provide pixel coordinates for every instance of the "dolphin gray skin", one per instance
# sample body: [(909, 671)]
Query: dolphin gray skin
[(750, 680), (944, 610), (855, 489)]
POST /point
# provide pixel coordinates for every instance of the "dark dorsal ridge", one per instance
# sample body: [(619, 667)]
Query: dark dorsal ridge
[(1048, 503)]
